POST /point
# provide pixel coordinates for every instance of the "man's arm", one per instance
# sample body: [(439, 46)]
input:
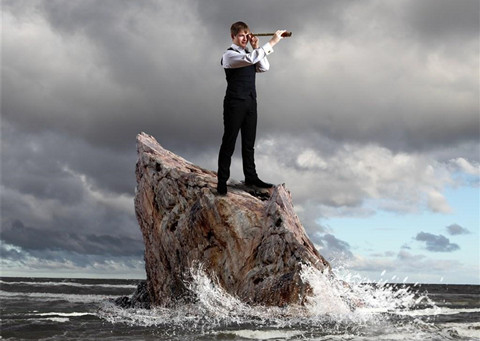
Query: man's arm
[(264, 65), (233, 59)]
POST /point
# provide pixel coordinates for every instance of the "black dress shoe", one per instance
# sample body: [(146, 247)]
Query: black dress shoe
[(258, 183), (222, 188)]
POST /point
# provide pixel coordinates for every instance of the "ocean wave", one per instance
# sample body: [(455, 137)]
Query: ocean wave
[(438, 311), (74, 314), (70, 284), (267, 334), (55, 297), (341, 307), (465, 330), (57, 319)]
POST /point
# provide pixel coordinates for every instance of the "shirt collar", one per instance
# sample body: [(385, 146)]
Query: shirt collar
[(239, 48)]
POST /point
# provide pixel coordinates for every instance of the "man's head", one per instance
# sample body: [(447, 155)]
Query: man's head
[(240, 33)]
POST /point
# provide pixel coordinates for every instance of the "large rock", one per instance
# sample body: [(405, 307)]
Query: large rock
[(250, 240)]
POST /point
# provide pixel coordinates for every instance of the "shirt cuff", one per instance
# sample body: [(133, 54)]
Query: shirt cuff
[(267, 48)]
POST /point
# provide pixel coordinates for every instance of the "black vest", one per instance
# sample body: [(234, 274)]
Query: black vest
[(241, 82)]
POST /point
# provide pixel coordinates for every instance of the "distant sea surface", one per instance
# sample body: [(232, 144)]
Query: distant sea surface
[(83, 309)]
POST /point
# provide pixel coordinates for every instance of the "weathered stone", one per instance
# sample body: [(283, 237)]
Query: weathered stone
[(250, 240), (139, 299)]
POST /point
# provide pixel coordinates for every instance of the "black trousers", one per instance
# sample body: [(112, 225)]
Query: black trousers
[(238, 115)]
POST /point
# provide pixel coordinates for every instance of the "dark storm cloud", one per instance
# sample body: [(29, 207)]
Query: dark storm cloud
[(30, 239), (440, 19), (117, 73), (79, 198), (436, 243), (456, 229), (39, 164), (349, 99), (143, 65), (269, 15)]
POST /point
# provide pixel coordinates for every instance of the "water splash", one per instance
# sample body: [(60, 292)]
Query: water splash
[(339, 306), (351, 299)]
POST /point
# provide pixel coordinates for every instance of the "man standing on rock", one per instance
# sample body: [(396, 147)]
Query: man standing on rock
[(240, 102)]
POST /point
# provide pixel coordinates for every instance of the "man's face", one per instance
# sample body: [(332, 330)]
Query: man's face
[(242, 38)]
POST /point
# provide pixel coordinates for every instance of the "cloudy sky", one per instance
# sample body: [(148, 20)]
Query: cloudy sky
[(369, 115)]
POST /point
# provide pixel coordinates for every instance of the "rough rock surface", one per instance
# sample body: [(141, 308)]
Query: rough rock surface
[(139, 299), (250, 240)]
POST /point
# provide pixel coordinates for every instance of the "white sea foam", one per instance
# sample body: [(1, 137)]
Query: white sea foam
[(55, 297), (57, 319), (470, 330), (351, 299), (336, 310), (267, 334), (59, 316), (438, 311), (74, 314)]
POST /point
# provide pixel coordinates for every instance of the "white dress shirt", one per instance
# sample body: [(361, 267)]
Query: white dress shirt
[(240, 57)]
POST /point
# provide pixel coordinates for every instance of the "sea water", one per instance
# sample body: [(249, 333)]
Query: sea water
[(340, 308)]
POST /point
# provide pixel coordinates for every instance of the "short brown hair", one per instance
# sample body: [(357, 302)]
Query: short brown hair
[(238, 27)]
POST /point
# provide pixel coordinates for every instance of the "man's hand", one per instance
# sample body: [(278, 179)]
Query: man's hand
[(276, 37), (254, 41)]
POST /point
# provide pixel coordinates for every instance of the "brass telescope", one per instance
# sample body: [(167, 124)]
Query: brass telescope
[(284, 34)]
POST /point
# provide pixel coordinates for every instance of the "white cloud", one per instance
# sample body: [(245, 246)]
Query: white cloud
[(310, 159), (437, 202), (466, 166), (354, 177)]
